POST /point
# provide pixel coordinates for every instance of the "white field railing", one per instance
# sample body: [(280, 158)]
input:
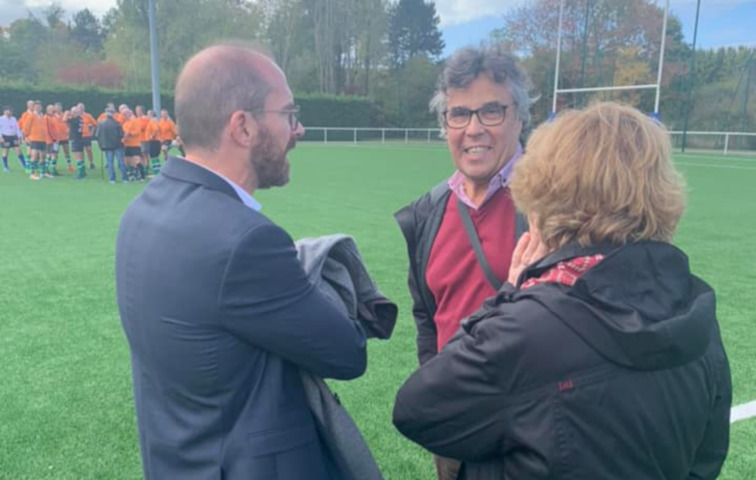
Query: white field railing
[(720, 143), (374, 135)]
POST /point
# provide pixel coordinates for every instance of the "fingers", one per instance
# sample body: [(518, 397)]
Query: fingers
[(520, 248), (530, 251), (516, 265)]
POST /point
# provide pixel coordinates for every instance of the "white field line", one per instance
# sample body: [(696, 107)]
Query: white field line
[(730, 158), (743, 412), (709, 165)]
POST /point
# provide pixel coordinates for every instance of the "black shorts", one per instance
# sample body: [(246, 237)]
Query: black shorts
[(133, 152), (77, 146), (86, 141), (154, 148), (41, 146), (9, 141)]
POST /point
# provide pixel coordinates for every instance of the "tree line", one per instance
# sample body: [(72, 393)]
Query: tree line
[(390, 52)]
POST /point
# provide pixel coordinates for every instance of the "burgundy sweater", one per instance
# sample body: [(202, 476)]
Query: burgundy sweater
[(454, 276)]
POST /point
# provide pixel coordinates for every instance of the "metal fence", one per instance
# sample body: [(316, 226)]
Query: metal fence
[(712, 143)]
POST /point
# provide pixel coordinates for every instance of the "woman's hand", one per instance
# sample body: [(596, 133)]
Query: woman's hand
[(529, 249)]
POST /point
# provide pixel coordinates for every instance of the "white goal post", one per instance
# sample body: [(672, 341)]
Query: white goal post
[(656, 85)]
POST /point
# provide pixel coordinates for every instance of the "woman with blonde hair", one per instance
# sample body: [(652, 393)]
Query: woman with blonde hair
[(603, 359)]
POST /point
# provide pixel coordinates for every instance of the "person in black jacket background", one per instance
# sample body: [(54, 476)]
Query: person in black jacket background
[(109, 134), (603, 359)]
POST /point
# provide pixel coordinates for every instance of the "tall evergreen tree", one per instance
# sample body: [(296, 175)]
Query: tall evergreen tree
[(413, 31)]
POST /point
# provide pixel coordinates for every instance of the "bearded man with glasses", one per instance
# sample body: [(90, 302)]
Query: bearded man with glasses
[(218, 311), (461, 235)]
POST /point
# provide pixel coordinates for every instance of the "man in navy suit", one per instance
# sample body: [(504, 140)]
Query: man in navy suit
[(217, 310)]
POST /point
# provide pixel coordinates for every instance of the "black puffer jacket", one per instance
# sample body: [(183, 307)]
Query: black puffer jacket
[(622, 376)]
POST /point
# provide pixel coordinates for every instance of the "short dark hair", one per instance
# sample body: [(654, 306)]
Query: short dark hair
[(467, 64), (206, 99)]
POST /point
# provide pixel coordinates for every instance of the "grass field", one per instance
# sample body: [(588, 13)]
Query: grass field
[(66, 408)]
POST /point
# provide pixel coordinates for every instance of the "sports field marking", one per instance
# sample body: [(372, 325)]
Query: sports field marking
[(709, 165), (743, 412), (715, 158)]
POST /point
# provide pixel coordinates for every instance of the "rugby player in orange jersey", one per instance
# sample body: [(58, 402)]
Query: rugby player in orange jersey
[(24, 116), (88, 129), (21, 121), (61, 125), (119, 116), (152, 134), (35, 132), (132, 139), (49, 170), (168, 132), (142, 120)]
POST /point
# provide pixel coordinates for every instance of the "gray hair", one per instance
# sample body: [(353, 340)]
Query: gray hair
[(468, 63), (206, 97)]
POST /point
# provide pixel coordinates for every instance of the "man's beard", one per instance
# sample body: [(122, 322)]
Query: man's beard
[(269, 161)]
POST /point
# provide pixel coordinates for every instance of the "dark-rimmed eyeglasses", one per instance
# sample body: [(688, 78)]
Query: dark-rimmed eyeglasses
[(490, 115), (293, 114)]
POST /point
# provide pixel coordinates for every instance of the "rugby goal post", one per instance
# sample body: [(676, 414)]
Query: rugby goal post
[(656, 85)]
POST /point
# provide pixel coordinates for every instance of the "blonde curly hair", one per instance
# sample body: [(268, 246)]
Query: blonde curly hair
[(600, 174)]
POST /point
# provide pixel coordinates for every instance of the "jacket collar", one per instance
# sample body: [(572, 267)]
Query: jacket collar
[(571, 250), (185, 171)]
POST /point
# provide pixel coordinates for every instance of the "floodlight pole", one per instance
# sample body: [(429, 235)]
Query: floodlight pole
[(661, 59), (690, 79), (154, 60), (558, 55)]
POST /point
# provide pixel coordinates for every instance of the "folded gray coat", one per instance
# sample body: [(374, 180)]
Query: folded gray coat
[(333, 263)]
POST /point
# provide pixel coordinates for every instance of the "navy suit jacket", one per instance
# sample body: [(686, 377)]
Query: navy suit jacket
[(220, 317)]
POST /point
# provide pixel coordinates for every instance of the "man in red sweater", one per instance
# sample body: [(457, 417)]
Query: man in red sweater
[(483, 107)]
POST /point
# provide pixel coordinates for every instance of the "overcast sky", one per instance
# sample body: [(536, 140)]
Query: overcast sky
[(463, 22)]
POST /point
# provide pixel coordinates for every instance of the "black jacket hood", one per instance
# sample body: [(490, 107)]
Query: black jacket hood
[(640, 307)]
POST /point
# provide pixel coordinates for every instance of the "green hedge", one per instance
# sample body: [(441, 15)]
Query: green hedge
[(95, 99), (317, 110), (335, 111)]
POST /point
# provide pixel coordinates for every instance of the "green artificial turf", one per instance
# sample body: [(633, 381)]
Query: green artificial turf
[(66, 407)]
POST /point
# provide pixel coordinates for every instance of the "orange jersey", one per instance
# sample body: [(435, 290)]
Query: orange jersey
[(119, 118), (24, 118), (168, 130), (143, 121), (35, 128), (52, 128), (88, 125), (61, 127), (132, 133), (151, 132)]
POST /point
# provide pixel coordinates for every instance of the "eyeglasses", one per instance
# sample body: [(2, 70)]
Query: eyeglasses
[(490, 115), (293, 114)]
